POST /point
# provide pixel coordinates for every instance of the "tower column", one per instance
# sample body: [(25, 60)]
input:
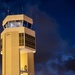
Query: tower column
[(31, 63), (3, 56), (11, 54), (24, 63)]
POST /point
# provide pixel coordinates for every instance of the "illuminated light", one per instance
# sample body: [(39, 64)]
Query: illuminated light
[(1, 52), (12, 25), (18, 24), (15, 24), (34, 51)]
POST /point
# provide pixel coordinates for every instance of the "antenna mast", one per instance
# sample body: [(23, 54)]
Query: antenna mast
[(22, 9), (8, 10)]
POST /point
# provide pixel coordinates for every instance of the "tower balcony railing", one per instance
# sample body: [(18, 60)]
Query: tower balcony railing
[(24, 70)]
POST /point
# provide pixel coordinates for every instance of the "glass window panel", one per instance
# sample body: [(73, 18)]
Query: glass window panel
[(29, 41), (25, 24), (29, 25), (21, 39), (18, 23), (12, 24)]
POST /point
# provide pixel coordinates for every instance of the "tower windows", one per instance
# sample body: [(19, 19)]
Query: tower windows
[(29, 25), (21, 39), (29, 40), (17, 23), (12, 24), (24, 23)]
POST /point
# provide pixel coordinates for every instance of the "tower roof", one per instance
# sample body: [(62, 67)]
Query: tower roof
[(17, 17)]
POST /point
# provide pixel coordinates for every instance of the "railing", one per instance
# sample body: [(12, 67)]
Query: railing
[(24, 70)]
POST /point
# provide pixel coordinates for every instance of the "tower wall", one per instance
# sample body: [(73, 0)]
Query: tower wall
[(28, 60), (11, 54), (23, 62), (31, 63), (3, 55)]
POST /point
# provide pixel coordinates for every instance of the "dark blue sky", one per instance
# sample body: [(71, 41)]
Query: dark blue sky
[(54, 23)]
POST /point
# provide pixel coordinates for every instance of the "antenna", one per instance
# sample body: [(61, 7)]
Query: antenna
[(8, 10), (22, 9)]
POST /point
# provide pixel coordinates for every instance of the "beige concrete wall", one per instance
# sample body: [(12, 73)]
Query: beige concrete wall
[(28, 60), (8, 54), (15, 54), (10, 57), (31, 63), (22, 30), (30, 32), (11, 64), (3, 55), (23, 62)]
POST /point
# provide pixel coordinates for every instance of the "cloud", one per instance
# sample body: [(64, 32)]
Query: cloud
[(51, 48), (49, 43), (70, 65), (52, 68)]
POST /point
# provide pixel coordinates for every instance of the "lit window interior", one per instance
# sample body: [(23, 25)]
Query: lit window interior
[(12, 24)]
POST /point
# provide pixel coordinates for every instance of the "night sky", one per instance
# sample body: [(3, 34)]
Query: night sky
[(54, 24)]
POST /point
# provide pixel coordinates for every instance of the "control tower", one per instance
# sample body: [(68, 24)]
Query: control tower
[(17, 45)]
